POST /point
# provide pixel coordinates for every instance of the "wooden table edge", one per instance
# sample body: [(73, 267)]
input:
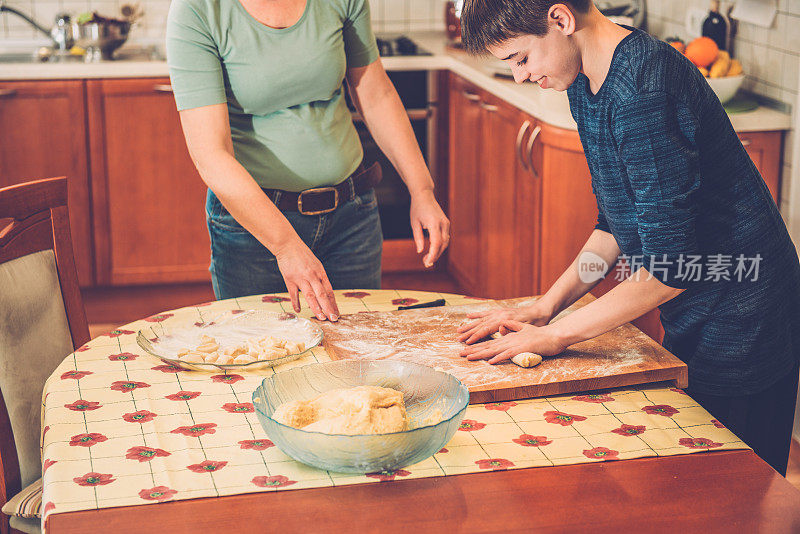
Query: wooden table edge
[(713, 491)]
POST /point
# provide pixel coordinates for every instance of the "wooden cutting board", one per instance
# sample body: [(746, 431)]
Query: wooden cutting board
[(623, 357)]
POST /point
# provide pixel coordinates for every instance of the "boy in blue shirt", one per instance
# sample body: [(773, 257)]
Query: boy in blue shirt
[(678, 197)]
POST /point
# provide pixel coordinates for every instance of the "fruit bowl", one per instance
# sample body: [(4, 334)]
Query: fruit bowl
[(435, 403), (726, 87)]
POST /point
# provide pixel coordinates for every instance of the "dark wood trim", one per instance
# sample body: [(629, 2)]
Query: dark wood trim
[(706, 492)]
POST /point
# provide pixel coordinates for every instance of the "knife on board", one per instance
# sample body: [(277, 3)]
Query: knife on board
[(432, 304)]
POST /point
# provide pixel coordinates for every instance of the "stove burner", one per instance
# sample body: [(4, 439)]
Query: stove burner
[(399, 46)]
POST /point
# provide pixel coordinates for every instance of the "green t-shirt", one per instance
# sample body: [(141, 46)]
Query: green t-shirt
[(290, 125)]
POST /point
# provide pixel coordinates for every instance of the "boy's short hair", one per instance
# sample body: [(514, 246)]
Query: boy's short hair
[(490, 22)]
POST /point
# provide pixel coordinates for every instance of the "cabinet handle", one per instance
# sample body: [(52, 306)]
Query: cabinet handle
[(472, 97), (489, 107), (520, 136), (162, 88), (529, 149), (7, 92), (746, 142)]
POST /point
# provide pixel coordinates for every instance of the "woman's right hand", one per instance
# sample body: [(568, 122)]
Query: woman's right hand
[(488, 322), (302, 271)]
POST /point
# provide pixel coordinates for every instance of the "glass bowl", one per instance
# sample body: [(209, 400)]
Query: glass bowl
[(229, 328), (424, 389)]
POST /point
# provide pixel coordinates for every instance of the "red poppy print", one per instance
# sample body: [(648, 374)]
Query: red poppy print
[(183, 395), (126, 386), (256, 444), (389, 474), (196, 430), (500, 406), (168, 368), (75, 375), (443, 450), (44, 431), (355, 294), (495, 464), (404, 302), (238, 407), (159, 493), (561, 418), (83, 348), (274, 298), (660, 409), (46, 465), (117, 333), (526, 440), (158, 318), (277, 481), (122, 357), (717, 423), (142, 416), (204, 304), (595, 398), (235, 312), (629, 430), (49, 507), (83, 406), (87, 440), (601, 453), (209, 466), (699, 443), (94, 479), (468, 425), (145, 454), (678, 390), (227, 379)]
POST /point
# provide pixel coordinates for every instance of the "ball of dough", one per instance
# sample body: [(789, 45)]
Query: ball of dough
[(527, 359)]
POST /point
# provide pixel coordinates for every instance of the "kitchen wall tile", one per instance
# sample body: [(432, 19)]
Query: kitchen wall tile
[(791, 72), (395, 11)]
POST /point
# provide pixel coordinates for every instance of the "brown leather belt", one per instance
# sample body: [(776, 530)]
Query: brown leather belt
[(322, 200)]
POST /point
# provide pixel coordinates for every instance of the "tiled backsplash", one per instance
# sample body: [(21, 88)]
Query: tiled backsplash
[(770, 56), (390, 16)]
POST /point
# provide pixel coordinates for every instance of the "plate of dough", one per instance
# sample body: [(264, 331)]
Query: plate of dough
[(246, 340)]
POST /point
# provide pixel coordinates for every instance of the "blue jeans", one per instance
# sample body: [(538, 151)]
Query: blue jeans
[(348, 242)]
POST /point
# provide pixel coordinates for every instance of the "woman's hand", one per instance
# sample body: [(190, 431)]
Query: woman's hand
[(427, 214), (518, 337), (489, 322), (302, 271)]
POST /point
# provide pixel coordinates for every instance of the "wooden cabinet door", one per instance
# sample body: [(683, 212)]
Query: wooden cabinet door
[(765, 150), (147, 196), (501, 173), (464, 253), (43, 125), (568, 205)]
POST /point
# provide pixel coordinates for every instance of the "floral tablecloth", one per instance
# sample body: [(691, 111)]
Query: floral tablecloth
[(121, 428)]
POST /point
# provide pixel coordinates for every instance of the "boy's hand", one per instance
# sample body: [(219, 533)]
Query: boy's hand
[(488, 322), (517, 337)]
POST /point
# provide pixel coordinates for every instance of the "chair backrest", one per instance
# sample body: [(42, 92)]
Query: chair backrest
[(42, 318)]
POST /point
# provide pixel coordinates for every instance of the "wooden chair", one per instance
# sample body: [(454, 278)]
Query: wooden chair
[(42, 320)]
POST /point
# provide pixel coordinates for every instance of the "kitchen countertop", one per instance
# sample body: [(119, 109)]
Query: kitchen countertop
[(548, 106)]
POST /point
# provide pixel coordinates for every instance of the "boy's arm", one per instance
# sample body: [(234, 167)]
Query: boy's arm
[(635, 296), (567, 289)]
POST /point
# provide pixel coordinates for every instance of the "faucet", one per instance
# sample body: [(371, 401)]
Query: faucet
[(61, 34)]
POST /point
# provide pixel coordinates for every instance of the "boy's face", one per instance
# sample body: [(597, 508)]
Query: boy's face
[(552, 60)]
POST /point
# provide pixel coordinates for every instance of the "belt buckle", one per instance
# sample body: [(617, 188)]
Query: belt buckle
[(318, 190)]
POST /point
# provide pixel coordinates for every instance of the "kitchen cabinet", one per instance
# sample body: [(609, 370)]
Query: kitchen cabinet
[(764, 149), (463, 184), (43, 125), (147, 196)]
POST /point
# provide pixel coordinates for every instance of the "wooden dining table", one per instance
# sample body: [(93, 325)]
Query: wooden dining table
[(727, 491), (708, 491)]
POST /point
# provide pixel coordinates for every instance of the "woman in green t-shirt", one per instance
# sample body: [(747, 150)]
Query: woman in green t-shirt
[(259, 87)]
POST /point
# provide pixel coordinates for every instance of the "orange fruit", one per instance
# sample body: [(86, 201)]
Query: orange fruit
[(678, 45), (703, 51)]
